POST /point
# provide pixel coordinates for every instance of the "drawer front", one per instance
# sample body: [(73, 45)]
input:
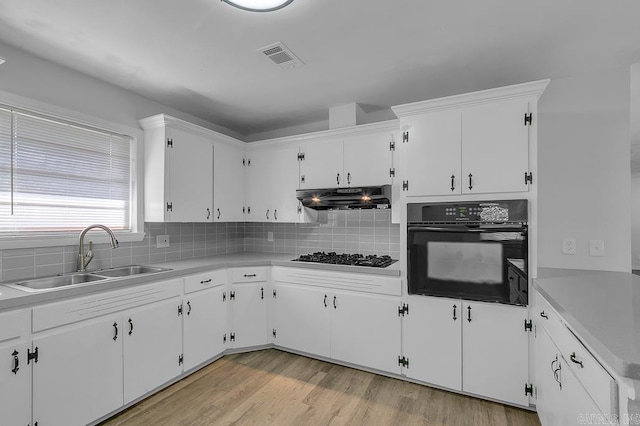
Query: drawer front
[(14, 324), (205, 280), (249, 275), (367, 283), (595, 379), (82, 308)]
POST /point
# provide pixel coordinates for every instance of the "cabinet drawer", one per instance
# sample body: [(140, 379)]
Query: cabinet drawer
[(595, 379), (368, 283), (82, 308), (14, 324), (205, 280), (248, 275)]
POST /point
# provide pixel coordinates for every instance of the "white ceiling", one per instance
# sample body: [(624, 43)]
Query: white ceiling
[(199, 56)]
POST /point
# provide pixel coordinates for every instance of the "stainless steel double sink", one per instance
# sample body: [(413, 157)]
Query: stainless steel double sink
[(77, 278)]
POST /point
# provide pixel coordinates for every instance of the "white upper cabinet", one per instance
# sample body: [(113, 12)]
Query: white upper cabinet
[(272, 175), (178, 171), (360, 156), (228, 181), (495, 147), (469, 144)]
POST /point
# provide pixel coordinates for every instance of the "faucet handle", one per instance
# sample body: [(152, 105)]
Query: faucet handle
[(89, 255)]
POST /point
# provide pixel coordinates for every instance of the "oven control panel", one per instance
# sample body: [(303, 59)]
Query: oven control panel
[(480, 211)]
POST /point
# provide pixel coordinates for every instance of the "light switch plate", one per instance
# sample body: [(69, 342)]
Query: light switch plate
[(596, 248), (162, 241), (270, 236)]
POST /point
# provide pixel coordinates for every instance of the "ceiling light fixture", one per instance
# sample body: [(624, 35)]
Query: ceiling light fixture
[(258, 5)]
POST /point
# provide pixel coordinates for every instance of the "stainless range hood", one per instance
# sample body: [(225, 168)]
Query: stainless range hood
[(363, 197)]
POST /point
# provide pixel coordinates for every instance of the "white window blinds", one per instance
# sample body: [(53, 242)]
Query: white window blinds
[(58, 177)]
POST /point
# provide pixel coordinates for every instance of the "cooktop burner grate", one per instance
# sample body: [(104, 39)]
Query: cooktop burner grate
[(347, 259)]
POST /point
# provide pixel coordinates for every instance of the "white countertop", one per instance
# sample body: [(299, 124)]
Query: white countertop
[(11, 297), (603, 308)]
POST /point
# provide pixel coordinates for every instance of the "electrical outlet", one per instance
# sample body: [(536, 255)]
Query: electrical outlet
[(596, 248), (162, 241), (270, 236), (568, 245)]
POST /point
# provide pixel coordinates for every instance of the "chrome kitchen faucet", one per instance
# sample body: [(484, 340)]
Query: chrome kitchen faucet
[(85, 258)]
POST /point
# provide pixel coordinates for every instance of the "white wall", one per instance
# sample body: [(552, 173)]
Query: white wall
[(584, 175), (29, 76), (635, 221)]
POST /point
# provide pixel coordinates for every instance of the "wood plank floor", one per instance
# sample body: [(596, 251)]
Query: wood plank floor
[(272, 387)]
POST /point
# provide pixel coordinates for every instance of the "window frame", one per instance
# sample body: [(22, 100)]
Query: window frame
[(53, 239)]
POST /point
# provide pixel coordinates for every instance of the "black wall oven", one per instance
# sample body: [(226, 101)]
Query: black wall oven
[(467, 250)]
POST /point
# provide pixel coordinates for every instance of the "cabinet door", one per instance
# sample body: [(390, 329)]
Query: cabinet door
[(285, 168), (322, 166), (301, 319), (367, 160), (548, 378), (495, 352), (432, 154), (189, 177), (78, 376), (152, 347), (495, 147), (365, 330), (228, 180), (15, 383), (204, 326), (249, 314), (433, 341), (261, 178), (574, 403)]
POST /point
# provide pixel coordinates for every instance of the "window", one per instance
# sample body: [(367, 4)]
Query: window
[(57, 177)]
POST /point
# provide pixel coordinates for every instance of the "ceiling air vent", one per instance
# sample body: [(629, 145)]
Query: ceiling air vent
[(281, 55)]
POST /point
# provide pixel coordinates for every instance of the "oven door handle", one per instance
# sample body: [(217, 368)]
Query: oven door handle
[(463, 229)]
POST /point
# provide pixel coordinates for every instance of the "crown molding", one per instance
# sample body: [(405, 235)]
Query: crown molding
[(162, 120), (524, 90)]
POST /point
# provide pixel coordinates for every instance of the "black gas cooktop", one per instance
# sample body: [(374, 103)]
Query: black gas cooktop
[(347, 259)]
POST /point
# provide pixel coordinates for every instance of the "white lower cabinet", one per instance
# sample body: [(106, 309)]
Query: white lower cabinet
[(15, 373), (77, 377), (356, 327), (480, 348), (204, 326), (248, 304), (152, 347)]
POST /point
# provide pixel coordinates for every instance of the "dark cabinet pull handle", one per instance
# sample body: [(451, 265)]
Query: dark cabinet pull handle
[(349, 178), (261, 292), (469, 313), (325, 300), (115, 327), (575, 360), (470, 181), (249, 275), (130, 327), (205, 281), (454, 312), (453, 180), (208, 214), (275, 214), (267, 214), (189, 305), (218, 213), (338, 178), (543, 315), (16, 362), (335, 306), (556, 374)]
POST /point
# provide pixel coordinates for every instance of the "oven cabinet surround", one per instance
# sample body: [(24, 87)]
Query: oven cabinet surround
[(204, 315), (178, 171), (272, 175), (15, 373), (474, 347), (344, 160), (468, 144), (248, 299), (351, 318), (572, 386), (92, 359)]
